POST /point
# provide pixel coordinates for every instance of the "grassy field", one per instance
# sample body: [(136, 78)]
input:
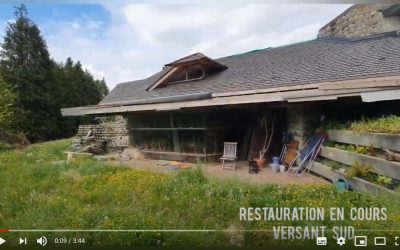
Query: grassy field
[(37, 193)]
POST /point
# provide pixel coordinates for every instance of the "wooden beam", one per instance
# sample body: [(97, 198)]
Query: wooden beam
[(355, 183), (271, 97), (300, 95), (177, 153), (268, 90), (378, 140), (163, 78), (324, 171), (377, 82), (175, 135), (381, 166), (391, 81), (386, 95)]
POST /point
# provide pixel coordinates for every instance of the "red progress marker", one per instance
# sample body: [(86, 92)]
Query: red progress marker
[(4, 230)]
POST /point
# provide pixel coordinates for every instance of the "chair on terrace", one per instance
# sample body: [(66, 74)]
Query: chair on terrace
[(230, 149)]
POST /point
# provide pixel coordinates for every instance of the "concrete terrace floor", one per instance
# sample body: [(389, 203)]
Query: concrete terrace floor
[(214, 170)]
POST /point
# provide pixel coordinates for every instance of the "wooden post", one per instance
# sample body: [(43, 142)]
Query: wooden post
[(175, 136)]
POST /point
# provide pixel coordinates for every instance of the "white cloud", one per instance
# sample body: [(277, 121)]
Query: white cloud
[(141, 38)]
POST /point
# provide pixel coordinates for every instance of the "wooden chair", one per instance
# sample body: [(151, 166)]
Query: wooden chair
[(230, 149)]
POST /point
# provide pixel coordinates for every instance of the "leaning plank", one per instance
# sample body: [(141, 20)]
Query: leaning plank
[(378, 140), (381, 166), (323, 170)]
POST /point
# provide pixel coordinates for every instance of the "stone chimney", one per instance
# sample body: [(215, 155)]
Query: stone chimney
[(363, 20)]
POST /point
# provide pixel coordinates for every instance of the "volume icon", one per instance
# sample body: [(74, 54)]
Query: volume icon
[(42, 241)]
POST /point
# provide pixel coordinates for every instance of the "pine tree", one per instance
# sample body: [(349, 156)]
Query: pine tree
[(7, 110), (75, 87), (42, 86), (27, 67), (7, 114), (102, 86)]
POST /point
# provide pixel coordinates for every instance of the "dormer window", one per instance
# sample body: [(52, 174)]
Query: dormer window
[(190, 68), (189, 73)]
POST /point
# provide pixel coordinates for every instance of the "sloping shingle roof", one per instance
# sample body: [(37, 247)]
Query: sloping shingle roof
[(314, 61), (189, 58)]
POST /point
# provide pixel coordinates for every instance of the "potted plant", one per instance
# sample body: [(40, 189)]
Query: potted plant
[(268, 123)]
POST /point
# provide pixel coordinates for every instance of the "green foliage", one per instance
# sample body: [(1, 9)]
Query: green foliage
[(7, 99), (336, 125), (73, 87), (366, 172), (359, 149), (26, 67), (384, 180), (386, 124), (4, 146), (360, 170), (40, 86), (40, 192), (333, 166), (7, 114)]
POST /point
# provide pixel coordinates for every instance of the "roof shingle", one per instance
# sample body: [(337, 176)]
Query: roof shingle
[(314, 61)]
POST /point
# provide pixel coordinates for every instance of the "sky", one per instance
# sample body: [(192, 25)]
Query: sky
[(128, 41)]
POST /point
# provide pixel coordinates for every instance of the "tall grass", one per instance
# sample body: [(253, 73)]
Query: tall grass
[(37, 192)]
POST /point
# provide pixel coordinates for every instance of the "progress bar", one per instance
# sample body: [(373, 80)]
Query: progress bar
[(168, 230)]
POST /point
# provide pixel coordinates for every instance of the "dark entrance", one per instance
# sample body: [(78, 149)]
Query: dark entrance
[(198, 136)]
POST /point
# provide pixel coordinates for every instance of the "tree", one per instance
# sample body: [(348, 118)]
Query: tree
[(75, 86), (27, 67), (7, 115), (40, 86), (7, 111)]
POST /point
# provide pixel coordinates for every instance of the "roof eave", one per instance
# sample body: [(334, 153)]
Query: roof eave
[(305, 92)]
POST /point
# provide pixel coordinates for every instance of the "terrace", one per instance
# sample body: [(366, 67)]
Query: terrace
[(214, 170)]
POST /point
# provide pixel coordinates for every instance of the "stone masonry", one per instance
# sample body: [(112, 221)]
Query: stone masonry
[(361, 20), (303, 119), (115, 133)]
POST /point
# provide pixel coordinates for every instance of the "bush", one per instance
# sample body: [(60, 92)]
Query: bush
[(4, 146)]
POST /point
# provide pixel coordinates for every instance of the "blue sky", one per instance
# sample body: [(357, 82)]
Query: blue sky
[(125, 41), (47, 12)]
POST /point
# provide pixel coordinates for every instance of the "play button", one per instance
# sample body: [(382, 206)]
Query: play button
[(2, 241)]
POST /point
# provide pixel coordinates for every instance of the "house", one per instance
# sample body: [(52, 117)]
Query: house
[(192, 105)]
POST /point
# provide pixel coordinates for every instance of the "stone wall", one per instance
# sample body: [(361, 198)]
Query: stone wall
[(303, 119), (361, 20), (115, 133)]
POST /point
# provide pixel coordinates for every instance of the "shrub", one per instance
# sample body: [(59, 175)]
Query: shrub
[(4, 146), (386, 124), (384, 180), (360, 170)]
